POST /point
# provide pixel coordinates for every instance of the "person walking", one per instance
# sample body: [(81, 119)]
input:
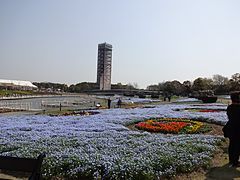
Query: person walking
[(232, 129), (109, 103), (119, 103), (169, 98)]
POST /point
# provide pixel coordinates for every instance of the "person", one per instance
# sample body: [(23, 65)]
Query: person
[(169, 98), (164, 98), (119, 103), (109, 103), (232, 129)]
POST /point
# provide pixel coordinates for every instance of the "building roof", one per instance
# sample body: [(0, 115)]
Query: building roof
[(105, 45), (4, 82)]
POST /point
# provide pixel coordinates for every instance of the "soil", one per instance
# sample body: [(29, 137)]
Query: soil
[(6, 110), (76, 113), (216, 130), (219, 168)]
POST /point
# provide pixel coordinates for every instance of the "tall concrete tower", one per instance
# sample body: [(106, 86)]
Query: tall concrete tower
[(104, 66)]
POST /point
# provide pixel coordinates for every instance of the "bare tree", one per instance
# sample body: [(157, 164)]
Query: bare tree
[(220, 80), (135, 85)]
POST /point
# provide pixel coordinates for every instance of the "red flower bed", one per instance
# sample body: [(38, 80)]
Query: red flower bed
[(167, 127), (209, 110), (171, 125)]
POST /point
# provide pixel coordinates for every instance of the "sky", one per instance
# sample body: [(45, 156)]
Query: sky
[(153, 40)]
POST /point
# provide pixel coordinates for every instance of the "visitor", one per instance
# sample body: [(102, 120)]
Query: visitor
[(169, 98), (119, 103), (109, 103), (231, 129)]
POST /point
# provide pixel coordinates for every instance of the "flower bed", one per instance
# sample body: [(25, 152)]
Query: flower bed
[(185, 100), (204, 110), (76, 113), (172, 125), (208, 110), (102, 147), (6, 110), (208, 99)]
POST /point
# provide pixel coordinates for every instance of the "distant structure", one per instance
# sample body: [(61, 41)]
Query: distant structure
[(16, 84), (104, 66)]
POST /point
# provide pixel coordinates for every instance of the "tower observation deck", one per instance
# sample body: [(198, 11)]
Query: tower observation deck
[(104, 66)]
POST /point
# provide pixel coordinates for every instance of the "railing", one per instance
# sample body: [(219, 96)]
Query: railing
[(21, 106)]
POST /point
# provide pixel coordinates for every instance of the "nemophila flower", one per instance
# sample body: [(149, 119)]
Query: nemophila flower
[(187, 100), (101, 146)]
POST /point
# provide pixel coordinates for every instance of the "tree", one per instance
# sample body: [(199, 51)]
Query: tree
[(187, 85), (167, 88), (220, 84), (71, 88), (171, 87), (161, 86), (118, 86), (53, 86), (236, 77), (202, 84), (219, 80), (132, 86), (177, 87), (234, 82), (135, 85), (153, 87), (83, 86)]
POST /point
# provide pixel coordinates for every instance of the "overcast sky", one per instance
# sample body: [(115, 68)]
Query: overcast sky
[(153, 40)]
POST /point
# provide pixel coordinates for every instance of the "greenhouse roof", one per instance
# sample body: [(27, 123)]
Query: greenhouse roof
[(16, 83)]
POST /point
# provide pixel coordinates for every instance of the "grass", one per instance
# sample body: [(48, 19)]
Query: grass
[(224, 101), (15, 92)]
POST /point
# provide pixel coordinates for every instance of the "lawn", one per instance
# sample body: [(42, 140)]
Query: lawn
[(14, 92)]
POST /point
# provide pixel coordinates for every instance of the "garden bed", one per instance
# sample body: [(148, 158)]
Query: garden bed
[(101, 146), (7, 110), (205, 110), (75, 113), (173, 126)]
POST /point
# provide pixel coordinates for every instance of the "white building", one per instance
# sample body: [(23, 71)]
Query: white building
[(16, 84)]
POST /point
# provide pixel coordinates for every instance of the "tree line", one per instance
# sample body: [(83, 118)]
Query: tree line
[(219, 84), (79, 87)]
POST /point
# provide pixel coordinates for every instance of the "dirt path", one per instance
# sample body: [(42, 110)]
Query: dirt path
[(219, 167), (5, 176)]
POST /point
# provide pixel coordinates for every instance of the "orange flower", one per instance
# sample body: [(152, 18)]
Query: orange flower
[(169, 125)]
